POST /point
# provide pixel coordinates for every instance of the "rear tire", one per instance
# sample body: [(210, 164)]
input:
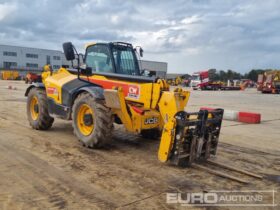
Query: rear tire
[(101, 120), (40, 119)]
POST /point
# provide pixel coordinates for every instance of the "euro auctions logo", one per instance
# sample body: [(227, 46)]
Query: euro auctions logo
[(192, 198), (224, 198)]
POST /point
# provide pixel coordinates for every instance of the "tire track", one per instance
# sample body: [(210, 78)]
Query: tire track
[(46, 178)]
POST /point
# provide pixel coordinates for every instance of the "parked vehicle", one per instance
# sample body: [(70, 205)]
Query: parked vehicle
[(201, 80), (32, 77), (10, 75), (271, 82)]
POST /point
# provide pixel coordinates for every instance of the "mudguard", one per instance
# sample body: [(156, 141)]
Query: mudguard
[(64, 110), (95, 91), (73, 88), (33, 85)]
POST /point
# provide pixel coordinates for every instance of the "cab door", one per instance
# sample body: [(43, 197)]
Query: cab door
[(99, 58)]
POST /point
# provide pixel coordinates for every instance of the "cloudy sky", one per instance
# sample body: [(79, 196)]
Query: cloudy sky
[(188, 34)]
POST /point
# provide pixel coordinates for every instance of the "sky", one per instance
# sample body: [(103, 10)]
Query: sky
[(189, 35)]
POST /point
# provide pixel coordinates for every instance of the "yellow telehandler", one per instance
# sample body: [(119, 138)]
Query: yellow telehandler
[(108, 88)]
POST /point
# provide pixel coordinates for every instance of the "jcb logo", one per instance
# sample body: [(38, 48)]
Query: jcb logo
[(152, 120)]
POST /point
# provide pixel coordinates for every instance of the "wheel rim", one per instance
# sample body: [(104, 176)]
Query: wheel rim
[(34, 108), (85, 128)]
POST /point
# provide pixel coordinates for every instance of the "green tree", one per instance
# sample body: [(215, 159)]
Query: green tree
[(253, 74)]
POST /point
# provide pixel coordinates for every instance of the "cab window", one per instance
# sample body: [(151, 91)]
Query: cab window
[(125, 60), (99, 59)]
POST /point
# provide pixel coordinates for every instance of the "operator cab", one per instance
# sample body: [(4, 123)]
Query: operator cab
[(108, 58), (114, 57), (113, 60)]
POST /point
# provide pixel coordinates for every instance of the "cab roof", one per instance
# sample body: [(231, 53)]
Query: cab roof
[(114, 43)]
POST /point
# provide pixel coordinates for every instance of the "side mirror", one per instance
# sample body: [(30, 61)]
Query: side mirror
[(141, 52), (68, 51)]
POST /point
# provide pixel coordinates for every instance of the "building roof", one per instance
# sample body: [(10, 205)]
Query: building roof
[(29, 48)]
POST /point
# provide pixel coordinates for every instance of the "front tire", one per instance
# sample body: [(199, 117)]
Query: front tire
[(37, 110), (92, 121)]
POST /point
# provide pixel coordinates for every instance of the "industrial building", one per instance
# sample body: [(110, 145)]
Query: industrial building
[(26, 59), (158, 69), (31, 59)]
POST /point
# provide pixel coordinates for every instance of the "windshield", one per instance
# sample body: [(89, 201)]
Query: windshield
[(99, 59), (125, 60), (195, 77), (118, 59)]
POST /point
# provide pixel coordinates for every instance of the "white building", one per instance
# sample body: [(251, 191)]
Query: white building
[(156, 68), (26, 58)]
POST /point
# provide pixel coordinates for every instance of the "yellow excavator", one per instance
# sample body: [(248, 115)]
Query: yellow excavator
[(109, 88), (271, 82), (175, 81)]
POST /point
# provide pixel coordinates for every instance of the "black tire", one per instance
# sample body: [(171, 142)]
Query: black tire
[(102, 121), (150, 134), (44, 120)]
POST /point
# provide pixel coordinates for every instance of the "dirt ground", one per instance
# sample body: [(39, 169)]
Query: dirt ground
[(52, 170)]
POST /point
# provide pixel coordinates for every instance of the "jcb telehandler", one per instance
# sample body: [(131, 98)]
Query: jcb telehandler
[(108, 88)]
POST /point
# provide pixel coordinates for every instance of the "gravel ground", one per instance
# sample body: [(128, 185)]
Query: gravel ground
[(51, 170)]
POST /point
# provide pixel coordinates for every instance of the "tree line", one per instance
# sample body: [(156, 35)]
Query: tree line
[(222, 75)]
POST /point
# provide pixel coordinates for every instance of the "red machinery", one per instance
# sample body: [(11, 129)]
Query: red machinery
[(270, 82), (32, 77), (201, 80), (260, 82)]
